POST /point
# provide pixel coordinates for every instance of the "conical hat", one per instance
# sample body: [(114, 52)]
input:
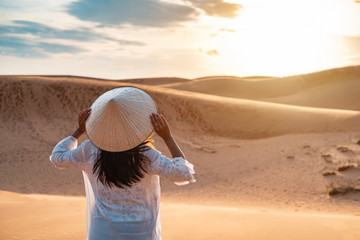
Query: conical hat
[(120, 119)]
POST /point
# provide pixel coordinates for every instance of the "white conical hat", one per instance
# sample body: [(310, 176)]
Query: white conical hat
[(120, 119)]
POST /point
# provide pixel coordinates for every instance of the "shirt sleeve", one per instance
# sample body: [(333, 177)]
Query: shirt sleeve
[(66, 154), (177, 170)]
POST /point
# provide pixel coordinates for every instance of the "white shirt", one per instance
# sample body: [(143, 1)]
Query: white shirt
[(117, 213)]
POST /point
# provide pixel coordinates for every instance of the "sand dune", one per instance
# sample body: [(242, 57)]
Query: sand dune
[(50, 102), (335, 88), (240, 118), (249, 151), (155, 81), (38, 111), (143, 81)]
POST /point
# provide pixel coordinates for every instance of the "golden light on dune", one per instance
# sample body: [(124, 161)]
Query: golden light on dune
[(287, 37)]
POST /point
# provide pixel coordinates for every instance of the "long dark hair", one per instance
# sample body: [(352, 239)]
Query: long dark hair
[(121, 169)]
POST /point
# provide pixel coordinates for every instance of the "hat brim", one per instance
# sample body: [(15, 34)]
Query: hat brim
[(120, 119)]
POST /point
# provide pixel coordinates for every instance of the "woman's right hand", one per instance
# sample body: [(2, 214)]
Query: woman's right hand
[(161, 126), (83, 116)]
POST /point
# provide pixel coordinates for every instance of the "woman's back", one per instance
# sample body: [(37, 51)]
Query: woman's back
[(130, 212)]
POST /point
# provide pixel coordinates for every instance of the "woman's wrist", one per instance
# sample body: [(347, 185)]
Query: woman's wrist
[(77, 133), (173, 147), (168, 138)]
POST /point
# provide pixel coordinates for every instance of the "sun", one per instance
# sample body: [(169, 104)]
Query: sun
[(283, 37)]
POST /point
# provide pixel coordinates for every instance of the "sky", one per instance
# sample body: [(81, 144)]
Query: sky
[(119, 39)]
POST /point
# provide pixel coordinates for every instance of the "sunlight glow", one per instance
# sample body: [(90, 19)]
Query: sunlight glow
[(262, 37), (285, 37)]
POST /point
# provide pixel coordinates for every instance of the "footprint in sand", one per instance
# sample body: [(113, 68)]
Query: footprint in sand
[(344, 150), (349, 181), (343, 173), (346, 167), (204, 149), (350, 170), (329, 173), (344, 189), (327, 158)]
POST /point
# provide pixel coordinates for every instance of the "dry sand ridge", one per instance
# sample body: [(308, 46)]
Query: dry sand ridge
[(270, 143)]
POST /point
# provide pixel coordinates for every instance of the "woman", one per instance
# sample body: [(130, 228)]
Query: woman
[(121, 169)]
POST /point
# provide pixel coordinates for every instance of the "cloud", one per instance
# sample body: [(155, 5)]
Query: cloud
[(15, 41), (149, 13), (131, 43), (44, 31), (21, 47), (58, 48), (227, 30), (11, 4), (217, 8), (222, 30), (212, 52)]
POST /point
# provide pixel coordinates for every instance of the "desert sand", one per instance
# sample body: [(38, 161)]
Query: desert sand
[(275, 158)]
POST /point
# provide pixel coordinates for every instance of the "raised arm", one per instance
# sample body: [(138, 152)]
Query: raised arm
[(66, 154), (83, 115), (178, 169), (163, 130)]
